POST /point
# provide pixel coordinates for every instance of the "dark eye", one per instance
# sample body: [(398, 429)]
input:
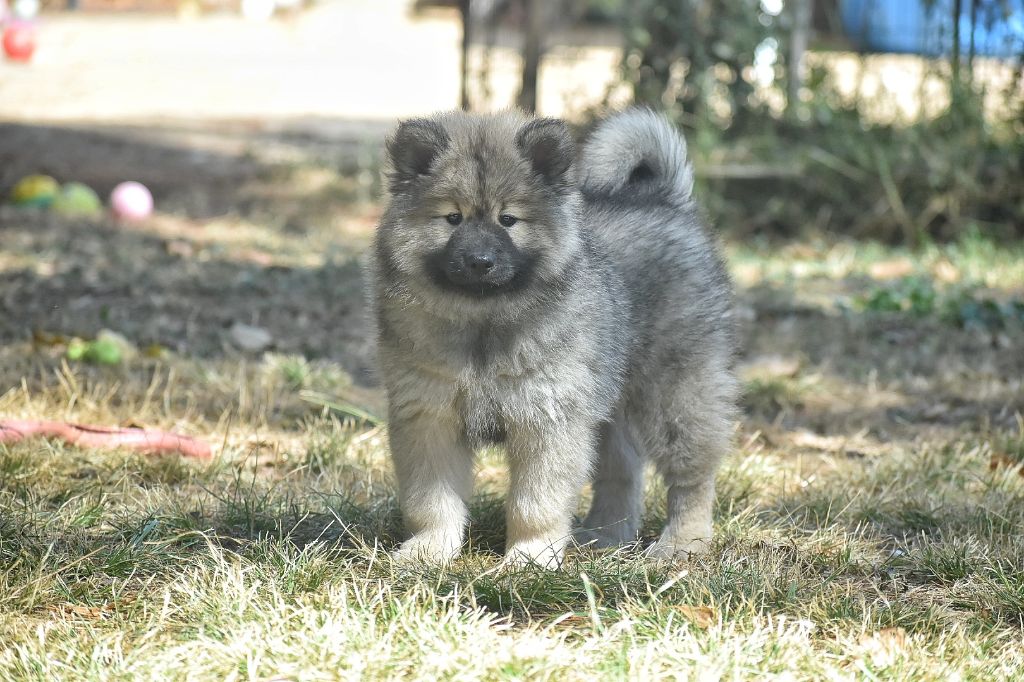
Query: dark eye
[(507, 220), (453, 218)]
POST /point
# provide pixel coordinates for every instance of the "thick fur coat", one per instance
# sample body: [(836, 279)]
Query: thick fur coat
[(570, 305)]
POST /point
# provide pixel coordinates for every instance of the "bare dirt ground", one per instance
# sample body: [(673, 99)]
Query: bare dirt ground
[(265, 229), (236, 240)]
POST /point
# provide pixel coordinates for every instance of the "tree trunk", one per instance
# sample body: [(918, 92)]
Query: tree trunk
[(464, 9), (797, 49), (533, 36)]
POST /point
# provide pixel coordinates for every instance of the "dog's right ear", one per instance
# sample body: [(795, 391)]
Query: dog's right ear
[(413, 148)]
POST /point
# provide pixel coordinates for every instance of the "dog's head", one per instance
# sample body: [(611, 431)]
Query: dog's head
[(482, 207)]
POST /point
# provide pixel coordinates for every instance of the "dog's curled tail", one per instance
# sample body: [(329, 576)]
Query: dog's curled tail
[(637, 152)]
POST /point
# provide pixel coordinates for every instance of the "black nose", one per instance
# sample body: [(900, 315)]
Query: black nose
[(479, 263)]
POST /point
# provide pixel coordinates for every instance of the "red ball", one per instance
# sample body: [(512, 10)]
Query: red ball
[(19, 41)]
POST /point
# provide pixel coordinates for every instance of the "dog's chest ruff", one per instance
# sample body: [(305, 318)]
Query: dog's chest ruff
[(504, 385)]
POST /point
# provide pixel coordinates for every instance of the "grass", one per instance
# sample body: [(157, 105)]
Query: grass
[(869, 524), (121, 567)]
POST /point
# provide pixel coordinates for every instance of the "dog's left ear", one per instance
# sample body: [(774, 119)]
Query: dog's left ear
[(547, 144)]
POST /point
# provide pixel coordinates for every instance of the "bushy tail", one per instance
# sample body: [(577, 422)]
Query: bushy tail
[(639, 152)]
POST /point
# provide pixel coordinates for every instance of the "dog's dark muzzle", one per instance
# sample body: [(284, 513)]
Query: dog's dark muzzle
[(478, 257), (481, 260)]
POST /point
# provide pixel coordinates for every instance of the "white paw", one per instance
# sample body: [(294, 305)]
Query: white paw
[(427, 548), (543, 552)]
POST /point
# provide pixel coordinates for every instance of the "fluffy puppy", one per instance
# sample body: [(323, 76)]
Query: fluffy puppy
[(569, 305)]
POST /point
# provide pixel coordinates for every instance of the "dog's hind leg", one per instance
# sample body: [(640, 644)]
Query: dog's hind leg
[(689, 435), (618, 484)]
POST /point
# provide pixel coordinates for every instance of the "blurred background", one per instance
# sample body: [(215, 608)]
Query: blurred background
[(858, 156), (897, 120)]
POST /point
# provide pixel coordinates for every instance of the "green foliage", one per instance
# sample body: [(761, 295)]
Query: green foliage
[(825, 163), (985, 313), (680, 56), (914, 295), (99, 352), (964, 307)]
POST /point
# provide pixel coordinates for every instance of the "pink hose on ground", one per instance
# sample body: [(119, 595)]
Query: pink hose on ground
[(146, 441)]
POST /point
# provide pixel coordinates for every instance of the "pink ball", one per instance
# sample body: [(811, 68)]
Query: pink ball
[(131, 201)]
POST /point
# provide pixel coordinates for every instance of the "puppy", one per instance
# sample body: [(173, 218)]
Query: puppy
[(571, 306)]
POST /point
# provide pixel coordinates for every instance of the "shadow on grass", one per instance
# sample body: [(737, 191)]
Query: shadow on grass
[(96, 276)]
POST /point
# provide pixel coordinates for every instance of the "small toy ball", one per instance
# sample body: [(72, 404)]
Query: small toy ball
[(19, 41), (76, 199), (131, 201), (35, 190)]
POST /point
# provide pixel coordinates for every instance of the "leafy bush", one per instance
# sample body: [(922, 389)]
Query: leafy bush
[(694, 58), (821, 166)]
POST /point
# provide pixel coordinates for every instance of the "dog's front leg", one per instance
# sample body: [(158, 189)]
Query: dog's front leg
[(549, 465), (434, 466)]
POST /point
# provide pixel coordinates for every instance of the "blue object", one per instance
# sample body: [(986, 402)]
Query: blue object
[(926, 26)]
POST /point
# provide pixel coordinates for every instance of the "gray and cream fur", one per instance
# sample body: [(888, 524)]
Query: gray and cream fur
[(570, 306)]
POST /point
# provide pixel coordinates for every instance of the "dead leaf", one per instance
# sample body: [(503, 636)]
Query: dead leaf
[(1001, 460), (572, 620), (891, 269), (154, 351), (946, 272), (41, 339), (897, 636), (883, 647), (86, 612), (886, 638), (701, 616)]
